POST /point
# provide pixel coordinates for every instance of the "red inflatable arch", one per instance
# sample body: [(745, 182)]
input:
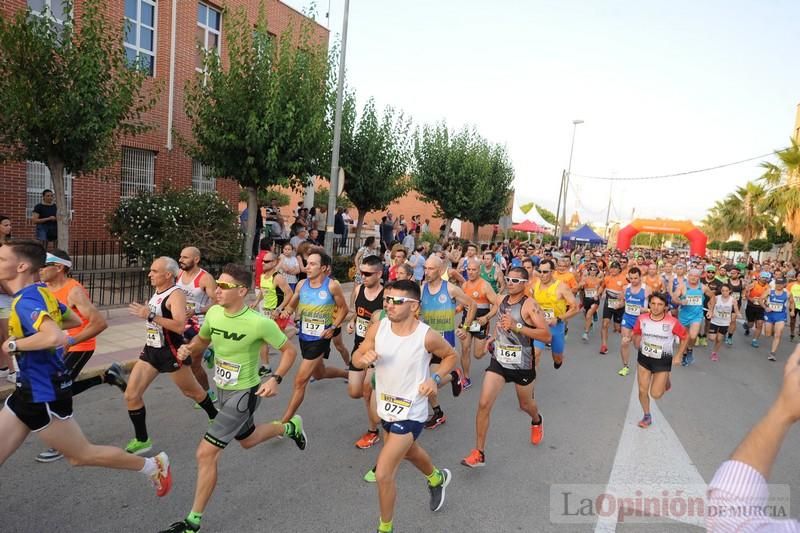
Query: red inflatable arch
[(697, 239)]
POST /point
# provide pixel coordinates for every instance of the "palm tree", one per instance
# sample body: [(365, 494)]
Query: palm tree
[(714, 224), (744, 212), (783, 179)]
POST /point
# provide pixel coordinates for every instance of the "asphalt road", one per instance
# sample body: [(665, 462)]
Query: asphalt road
[(276, 487)]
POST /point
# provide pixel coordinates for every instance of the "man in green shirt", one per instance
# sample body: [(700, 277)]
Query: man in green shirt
[(238, 333)]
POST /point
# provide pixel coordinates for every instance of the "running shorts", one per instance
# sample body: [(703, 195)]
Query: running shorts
[(162, 359), (713, 328), (588, 303), (75, 361), (753, 313), (401, 427), (687, 319), (662, 364), (613, 314), (235, 417), (481, 334), (314, 349), (557, 342), (628, 321), (37, 416), (520, 377), (774, 318)]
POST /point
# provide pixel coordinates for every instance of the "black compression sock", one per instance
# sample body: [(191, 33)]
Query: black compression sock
[(437, 410), (139, 423), (80, 386), (208, 407)]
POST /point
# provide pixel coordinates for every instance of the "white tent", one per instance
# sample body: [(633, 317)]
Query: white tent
[(533, 215)]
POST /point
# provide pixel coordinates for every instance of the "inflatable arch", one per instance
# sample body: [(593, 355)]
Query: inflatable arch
[(697, 239)]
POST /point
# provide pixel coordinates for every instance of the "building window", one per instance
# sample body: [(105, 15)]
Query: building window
[(140, 34), (209, 28), (202, 177), (138, 172), (38, 178), (54, 9)]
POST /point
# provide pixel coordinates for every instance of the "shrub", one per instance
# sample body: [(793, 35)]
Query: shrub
[(341, 267), (733, 246)]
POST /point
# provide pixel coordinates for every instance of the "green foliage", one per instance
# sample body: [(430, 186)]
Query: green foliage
[(154, 224), (493, 190), (732, 246), (547, 215), (67, 96), (265, 196), (760, 245), (429, 237), (776, 234), (261, 118), (714, 245), (340, 267), (321, 199)]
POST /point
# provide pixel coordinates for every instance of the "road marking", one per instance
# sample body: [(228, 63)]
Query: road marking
[(650, 459)]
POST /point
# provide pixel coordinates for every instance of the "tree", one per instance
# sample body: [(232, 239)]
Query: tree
[(321, 199), (547, 215), (714, 225), (67, 94), (262, 120), (744, 212), (783, 180), (375, 153), (494, 190), (733, 246), (265, 197)]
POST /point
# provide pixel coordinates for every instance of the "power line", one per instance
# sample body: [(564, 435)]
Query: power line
[(677, 174)]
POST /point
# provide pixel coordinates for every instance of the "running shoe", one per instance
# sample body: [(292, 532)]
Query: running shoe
[(754, 343), (475, 459), (114, 376), (455, 383), (137, 447), (264, 371), (771, 356), (435, 421), (537, 431), (49, 455), (702, 341), (683, 360), (646, 421), (437, 493), (162, 479), (746, 330), (624, 371), (466, 383), (369, 477), (208, 357), (184, 526), (558, 360), (689, 357), (714, 356), (603, 349), (729, 341), (585, 337), (298, 433), (367, 440)]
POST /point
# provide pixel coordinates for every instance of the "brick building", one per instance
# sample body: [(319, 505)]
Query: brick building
[(164, 34)]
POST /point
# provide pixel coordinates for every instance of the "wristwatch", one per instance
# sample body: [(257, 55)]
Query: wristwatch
[(12, 344), (519, 327), (151, 316), (437, 379), (278, 378)]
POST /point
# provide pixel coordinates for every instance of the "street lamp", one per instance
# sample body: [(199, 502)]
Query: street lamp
[(562, 222)]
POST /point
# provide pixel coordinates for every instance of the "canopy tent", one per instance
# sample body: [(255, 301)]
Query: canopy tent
[(584, 234), (529, 226), (517, 216)]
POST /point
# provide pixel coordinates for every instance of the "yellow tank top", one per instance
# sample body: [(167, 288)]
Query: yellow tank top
[(795, 290), (548, 300)]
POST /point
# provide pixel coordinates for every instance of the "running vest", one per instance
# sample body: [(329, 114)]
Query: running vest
[(196, 297), (490, 276), (62, 295), (795, 292), (658, 336), (513, 350), (548, 300), (364, 310), (757, 291), (693, 302), (736, 290), (615, 290), (476, 291), (316, 310), (591, 288), (402, 366), (439, 312), (634, 303), (723, 310), (654, 285), (157, 336), (776, 302), (272, 295)]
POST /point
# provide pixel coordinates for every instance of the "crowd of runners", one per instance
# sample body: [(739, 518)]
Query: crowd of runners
[(422, 319)]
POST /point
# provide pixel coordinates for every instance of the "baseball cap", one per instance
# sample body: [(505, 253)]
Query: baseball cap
[(711, 268), (765, 275), (730, 267), (614, 264), (780, 281)]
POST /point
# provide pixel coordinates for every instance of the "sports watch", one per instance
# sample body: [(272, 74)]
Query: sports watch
[(12, 344), (519, 327), (278, 378), (151, 316)]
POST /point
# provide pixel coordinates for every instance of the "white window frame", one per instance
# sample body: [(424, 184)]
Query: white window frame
[(208, 29), (60, 22), (37, 179), (137, 25), (138, 172), (203, 180)]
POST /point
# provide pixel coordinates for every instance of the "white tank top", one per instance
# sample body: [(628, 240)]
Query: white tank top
[(155, 332), (402, 366), (196, 297), (723, 309)]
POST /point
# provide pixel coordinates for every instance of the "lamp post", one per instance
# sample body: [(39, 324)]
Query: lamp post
[(562, 222)]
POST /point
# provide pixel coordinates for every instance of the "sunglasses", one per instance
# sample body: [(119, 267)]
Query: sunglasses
[(267, 261), (366, 274), (225, 286), (515, 281), (543, 271), (397, 300)]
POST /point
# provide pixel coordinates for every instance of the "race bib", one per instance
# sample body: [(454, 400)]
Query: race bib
[(393, 408), (508, 354), (590, 293), (361, 327), (775, 307), (313, 327), (613, 303), (549, 314), (797, 301), (723, 314), (694, 300), (225, 372), (632, 309), (474, 327), (153, 336), (651, 349)]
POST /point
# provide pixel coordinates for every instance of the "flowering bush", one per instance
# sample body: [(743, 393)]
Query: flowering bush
[(155, 224)]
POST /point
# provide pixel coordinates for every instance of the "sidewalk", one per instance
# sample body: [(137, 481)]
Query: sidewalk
[(121, 342)]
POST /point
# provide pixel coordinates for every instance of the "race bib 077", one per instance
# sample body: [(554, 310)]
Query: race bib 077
[(392, 407)]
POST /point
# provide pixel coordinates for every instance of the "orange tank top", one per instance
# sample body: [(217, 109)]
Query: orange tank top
[(654, 284), (477, 291), (62, 295)]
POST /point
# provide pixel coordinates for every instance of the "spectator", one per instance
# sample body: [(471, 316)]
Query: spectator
[(45, 216), (348, 221), (417, 262), (302, 236), (322, 220), (339, 229), (275, 220), (387, 230), (408, 241), (426, 227), (243, 218), (288, 265), (313, 237)]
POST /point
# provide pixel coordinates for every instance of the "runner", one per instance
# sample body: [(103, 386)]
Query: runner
[(42, 400), (198, 286), (562, 273), (635, 301), (238, 333), (366, 301), (653, 280), (590, 285), (613, 286), (558, 305), (491, 272), (689, 295), (754, 312), (737, 286), (794, 293), (485, 298), (521, 321), (713, 282), (321, 307), (654, 336), (165, 316), (722, 315), (274, 291), (81, 342), (438, 310), (778, 303), (401, 347)]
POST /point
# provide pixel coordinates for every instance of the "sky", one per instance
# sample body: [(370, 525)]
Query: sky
[(662, 87)]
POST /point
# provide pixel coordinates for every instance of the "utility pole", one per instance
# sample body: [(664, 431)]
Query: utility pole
[(566, 178), (608, 209), (557, 228)]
